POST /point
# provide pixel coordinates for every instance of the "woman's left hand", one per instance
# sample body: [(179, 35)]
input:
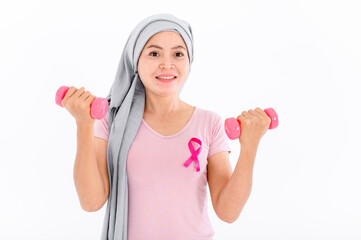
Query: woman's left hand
[(254, 124)]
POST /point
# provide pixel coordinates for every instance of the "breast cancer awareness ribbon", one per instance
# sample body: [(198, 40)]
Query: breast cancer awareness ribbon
[(194, 153)]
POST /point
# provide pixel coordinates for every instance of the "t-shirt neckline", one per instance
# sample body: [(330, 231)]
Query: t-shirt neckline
[(176, 134)]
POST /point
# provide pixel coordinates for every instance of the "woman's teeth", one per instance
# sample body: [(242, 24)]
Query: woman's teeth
[(165, 77)]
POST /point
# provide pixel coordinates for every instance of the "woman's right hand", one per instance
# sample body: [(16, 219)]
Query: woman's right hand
[(78, 103)]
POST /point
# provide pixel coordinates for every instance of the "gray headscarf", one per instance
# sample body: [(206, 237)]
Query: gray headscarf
[(126, 107)]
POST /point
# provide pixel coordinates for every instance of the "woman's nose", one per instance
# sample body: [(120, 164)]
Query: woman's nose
[(167, 63)]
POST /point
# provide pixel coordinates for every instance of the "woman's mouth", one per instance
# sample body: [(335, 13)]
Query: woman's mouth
[(166, 79)]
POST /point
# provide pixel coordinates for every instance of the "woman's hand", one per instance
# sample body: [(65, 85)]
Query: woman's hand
[(254, 124), (78, 103)]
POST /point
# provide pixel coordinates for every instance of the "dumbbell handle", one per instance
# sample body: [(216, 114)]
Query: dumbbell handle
[(98, 109), (233, 126)]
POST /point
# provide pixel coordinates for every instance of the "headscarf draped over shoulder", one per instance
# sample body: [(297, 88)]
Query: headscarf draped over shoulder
[(126, 100)]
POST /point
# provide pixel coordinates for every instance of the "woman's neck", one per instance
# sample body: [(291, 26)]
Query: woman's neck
[(163, 107)]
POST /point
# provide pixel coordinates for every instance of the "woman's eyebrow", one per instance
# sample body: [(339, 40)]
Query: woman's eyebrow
[(155, 46)]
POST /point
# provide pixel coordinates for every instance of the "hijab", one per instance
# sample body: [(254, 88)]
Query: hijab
[(126, 101)]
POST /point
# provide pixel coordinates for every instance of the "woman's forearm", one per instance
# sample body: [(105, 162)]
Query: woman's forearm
[(87, 178), (235, 193)]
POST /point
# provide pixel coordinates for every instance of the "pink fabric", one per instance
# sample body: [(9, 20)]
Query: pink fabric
[(166, 199)]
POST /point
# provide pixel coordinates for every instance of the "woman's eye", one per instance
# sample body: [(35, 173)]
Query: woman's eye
[(152, 54)]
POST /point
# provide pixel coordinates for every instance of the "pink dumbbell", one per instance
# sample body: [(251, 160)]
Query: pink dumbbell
[(98, 109), (233, 126)]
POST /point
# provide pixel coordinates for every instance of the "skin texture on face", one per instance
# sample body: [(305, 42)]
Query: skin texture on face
[(163, 96)]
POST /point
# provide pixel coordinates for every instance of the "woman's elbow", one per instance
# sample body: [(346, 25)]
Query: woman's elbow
[(93, 207)]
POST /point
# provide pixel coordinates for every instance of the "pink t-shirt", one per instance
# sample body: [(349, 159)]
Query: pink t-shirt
[(166, 199)]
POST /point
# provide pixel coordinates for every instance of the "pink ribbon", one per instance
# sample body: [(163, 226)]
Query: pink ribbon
[(194, 153)]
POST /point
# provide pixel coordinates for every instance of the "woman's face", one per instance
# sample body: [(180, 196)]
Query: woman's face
[(165, 53)]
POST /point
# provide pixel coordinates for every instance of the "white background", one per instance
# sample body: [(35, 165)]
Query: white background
[(302, 58)]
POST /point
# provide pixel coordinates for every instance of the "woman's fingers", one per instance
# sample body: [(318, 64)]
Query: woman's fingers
[(72, 94), (78, 93), (84, 96), (69, 93), (254, 124), (89, 98), (248, 114)]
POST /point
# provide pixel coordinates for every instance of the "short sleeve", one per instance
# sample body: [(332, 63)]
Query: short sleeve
[(219, 140), (101, 128)]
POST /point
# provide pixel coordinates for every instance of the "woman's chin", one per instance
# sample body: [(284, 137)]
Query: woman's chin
[(167, 91)]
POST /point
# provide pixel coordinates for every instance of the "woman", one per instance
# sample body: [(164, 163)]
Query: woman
[(155, 152)]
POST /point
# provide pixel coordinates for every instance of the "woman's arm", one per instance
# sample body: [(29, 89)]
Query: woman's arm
[(91, 180), (235, 193)]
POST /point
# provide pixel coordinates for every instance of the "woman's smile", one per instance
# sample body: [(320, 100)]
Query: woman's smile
[(166, 79)]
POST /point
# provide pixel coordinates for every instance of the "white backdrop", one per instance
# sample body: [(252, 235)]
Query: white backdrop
[(303, 58)]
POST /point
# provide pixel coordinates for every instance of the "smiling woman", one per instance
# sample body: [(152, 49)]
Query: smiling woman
[(163, 67), (154, 152)]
